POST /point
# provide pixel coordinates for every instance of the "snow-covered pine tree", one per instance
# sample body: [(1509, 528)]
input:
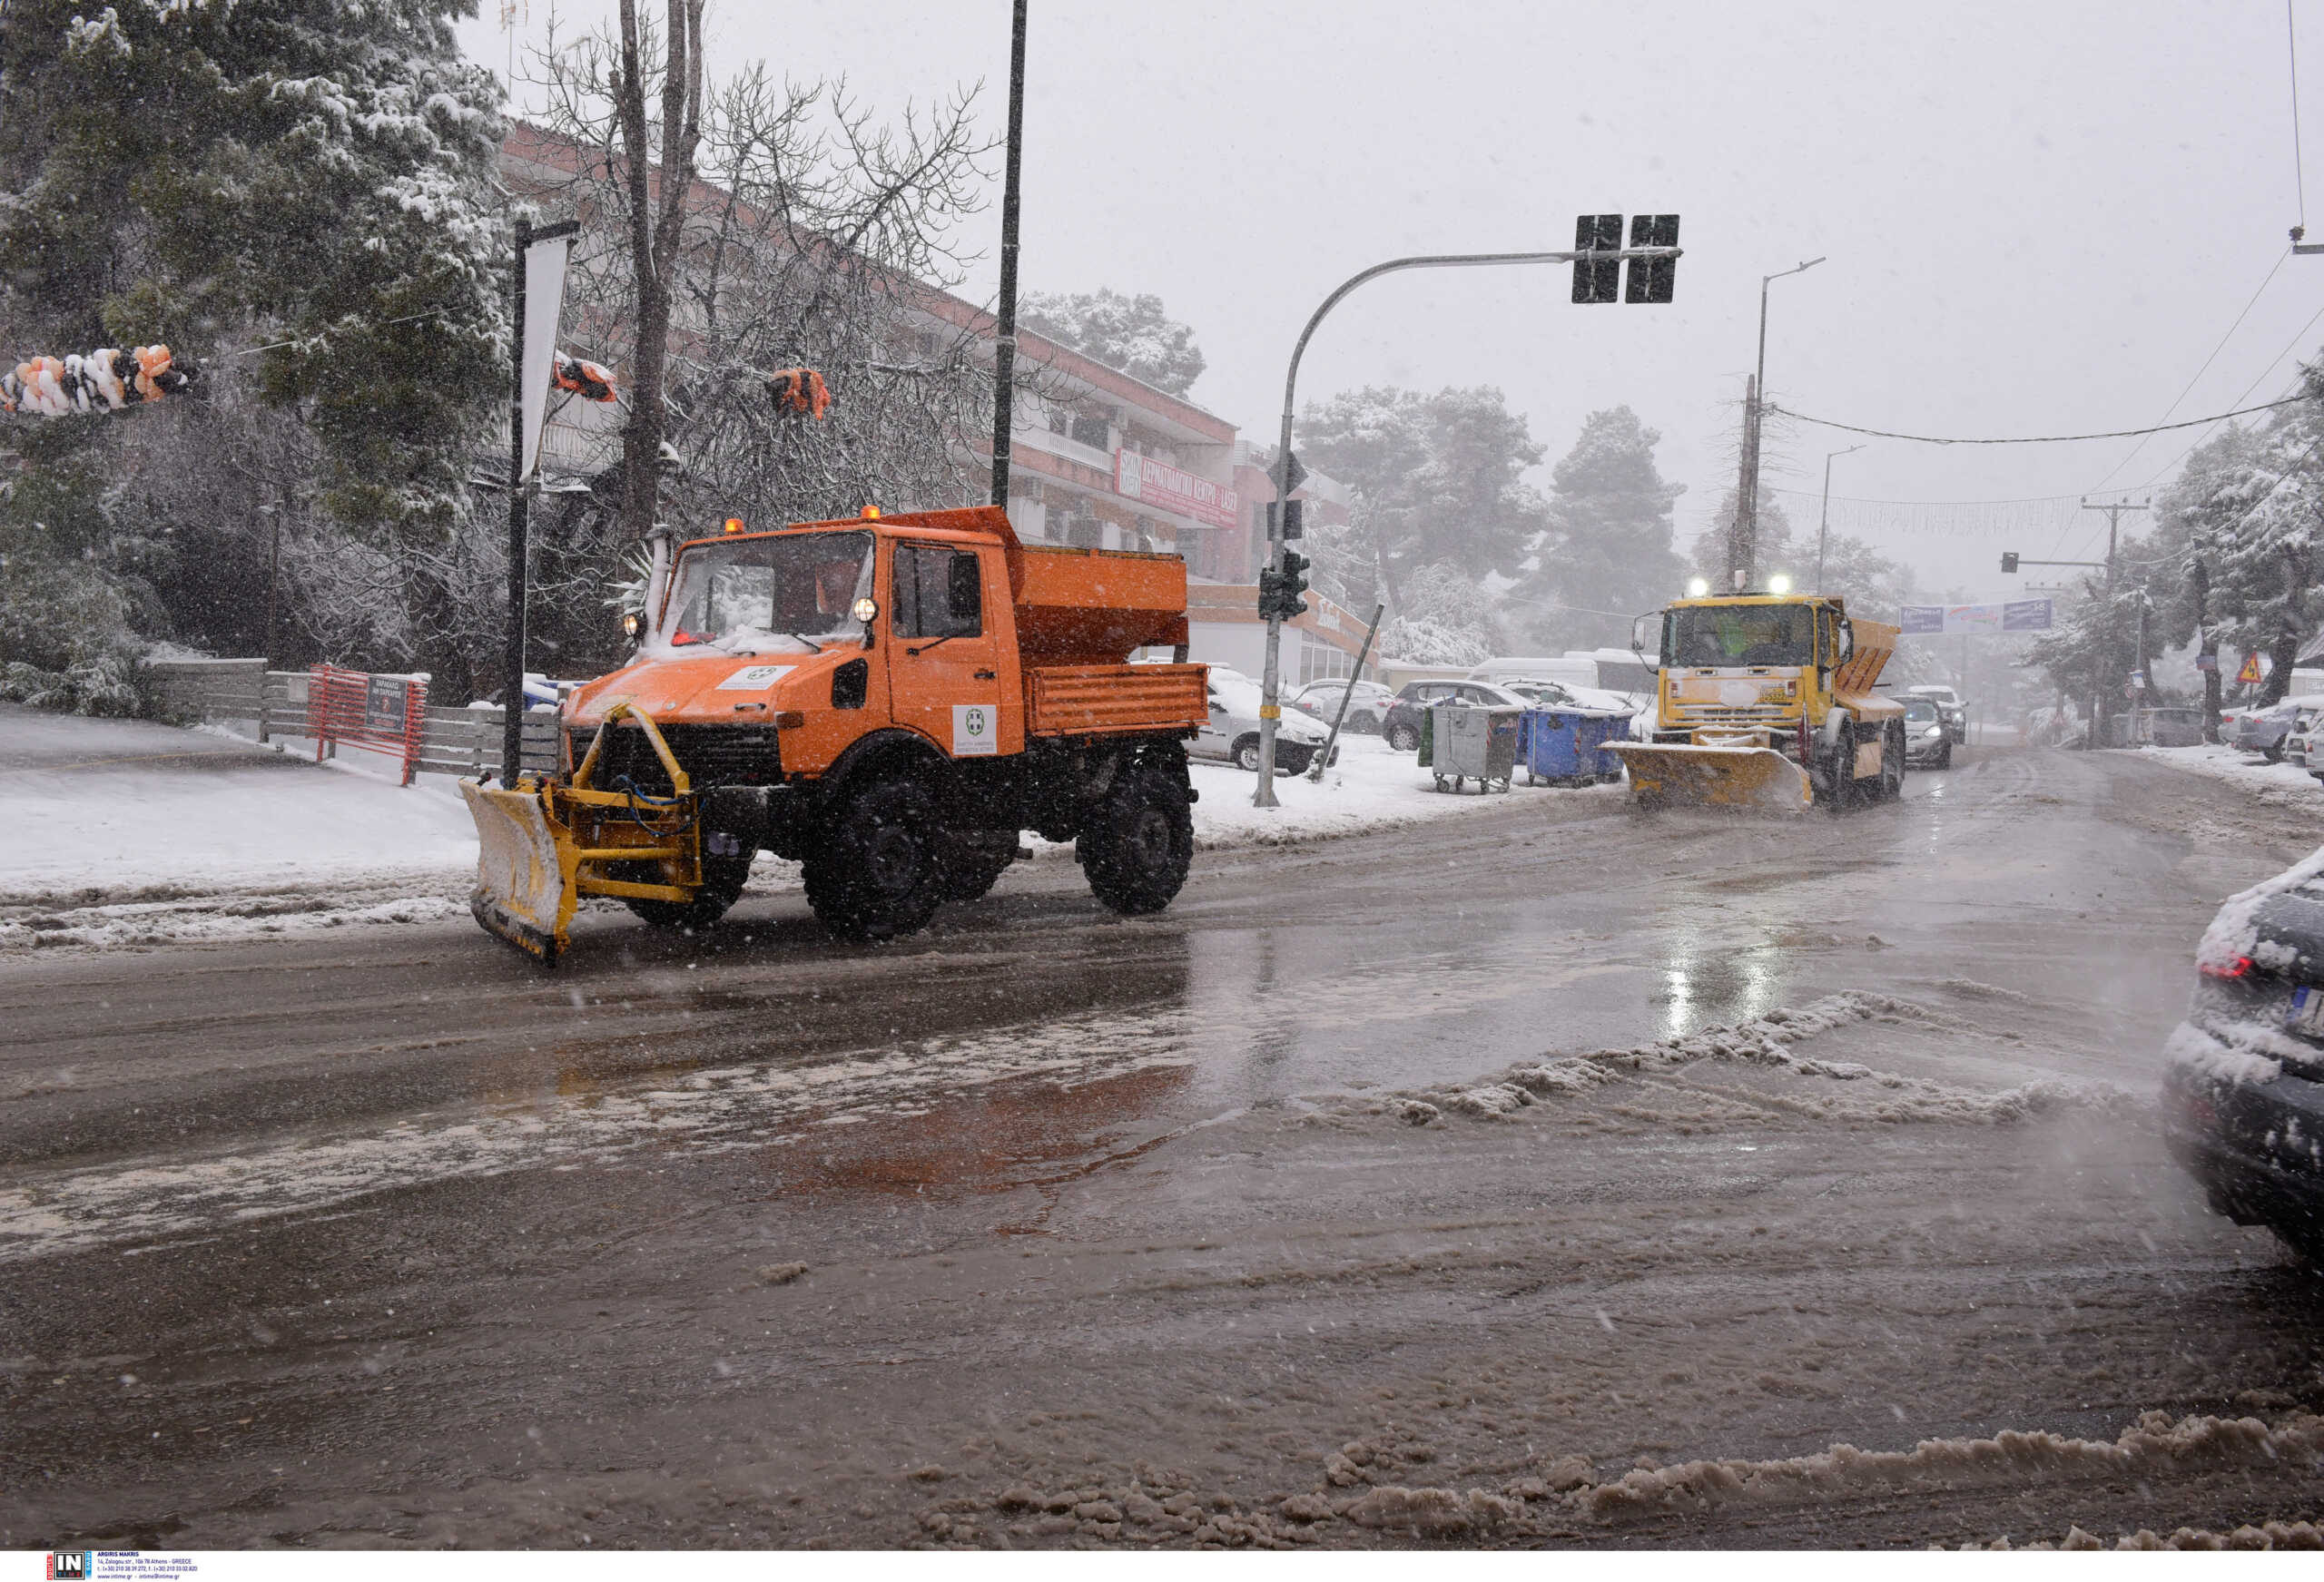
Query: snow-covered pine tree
[(1133, 334), (228, 176), (1606, 546)]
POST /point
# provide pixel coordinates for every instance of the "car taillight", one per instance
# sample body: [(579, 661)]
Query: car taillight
[(2242, 966)]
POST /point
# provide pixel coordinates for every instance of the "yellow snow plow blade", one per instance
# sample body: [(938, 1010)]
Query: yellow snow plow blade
[(523, 872), (1720, 776)]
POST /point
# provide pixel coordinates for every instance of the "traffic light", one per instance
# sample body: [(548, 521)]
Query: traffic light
[(1286, 521), (2008, 562), (1279, 591), (798, 392), (1597, 280), (1653, 278)]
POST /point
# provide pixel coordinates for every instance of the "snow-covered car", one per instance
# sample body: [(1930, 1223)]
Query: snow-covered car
[(2264, 730), (1949, 707), (1402, 727), (1233, 731), (2243, 1076), (2301, 735), (1929, 742), (1367, 703), (1563, 694)]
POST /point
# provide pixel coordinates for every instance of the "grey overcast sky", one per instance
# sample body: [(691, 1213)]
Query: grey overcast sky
[(2039, 219)]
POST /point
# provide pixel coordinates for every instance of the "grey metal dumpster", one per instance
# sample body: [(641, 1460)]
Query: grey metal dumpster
[(1467, 742)]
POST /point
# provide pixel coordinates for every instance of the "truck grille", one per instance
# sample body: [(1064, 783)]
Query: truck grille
[(710, 754), (1753, 714)]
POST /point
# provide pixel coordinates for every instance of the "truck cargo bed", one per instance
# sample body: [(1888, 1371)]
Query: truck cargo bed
[(1106, 700)]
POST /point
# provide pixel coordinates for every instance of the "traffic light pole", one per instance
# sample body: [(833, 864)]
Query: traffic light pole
[(1287, 472)]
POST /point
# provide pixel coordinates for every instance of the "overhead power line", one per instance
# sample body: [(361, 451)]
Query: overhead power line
[(2034, 438)]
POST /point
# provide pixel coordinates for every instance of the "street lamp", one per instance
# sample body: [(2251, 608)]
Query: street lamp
[(1288, 472), (1742, 553), (1823, 522)]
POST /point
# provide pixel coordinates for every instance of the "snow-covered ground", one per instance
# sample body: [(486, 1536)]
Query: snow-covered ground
[(123, 833), (2286, 784)]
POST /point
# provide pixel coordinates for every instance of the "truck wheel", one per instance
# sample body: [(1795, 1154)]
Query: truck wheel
[(722, 886), (1139, 840), (875, 875), (1892, 763)]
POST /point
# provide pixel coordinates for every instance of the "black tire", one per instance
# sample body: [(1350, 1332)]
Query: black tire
[(1293, 760), (1246, 754), (1841, 773), (1892, 763), (878, 872), (2274, 754), (723, 878), (1944, 759), (1403, 738), (1362, 724), (1139, 839)]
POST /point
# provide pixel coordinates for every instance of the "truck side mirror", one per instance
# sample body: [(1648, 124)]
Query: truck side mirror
[(1846, 644)]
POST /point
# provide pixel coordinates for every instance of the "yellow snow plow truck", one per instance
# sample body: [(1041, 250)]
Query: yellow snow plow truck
[(1766, 701)]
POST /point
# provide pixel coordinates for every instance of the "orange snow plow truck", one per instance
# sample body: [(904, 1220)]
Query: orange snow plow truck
[(888, 700)]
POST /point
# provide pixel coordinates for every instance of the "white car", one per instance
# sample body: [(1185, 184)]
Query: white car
[(1233, 731)]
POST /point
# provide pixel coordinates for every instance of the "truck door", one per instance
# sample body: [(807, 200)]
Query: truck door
[(944, 668)]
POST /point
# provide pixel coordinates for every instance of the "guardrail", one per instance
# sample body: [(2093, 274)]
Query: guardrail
[(354, 708)]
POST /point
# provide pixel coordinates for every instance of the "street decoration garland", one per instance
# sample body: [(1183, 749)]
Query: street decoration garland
[(103, 381)]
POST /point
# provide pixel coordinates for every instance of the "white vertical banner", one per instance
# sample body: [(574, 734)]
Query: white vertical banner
[(545, 265)]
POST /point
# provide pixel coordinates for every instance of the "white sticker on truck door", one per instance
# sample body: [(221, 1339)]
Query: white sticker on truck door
[(753, 678), (976, 730)]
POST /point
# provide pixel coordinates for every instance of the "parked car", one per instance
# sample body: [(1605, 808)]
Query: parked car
[(1232, 731), (2264, 730), (1402, 727), (1367, 703), (1949, 707), (1547, 693), (2303, 727), (2244, 1076), (1928, 741)]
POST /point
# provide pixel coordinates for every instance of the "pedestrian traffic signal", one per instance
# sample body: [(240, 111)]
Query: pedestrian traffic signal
[(1653, 278), (1597, 279), (1286, 521), (2009, 563)]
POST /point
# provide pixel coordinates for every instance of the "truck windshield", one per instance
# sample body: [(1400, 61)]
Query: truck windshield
[(753, 591), (1721, 636)]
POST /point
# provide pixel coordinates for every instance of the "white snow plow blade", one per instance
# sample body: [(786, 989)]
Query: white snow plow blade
[(1719, 777), (523, 892)]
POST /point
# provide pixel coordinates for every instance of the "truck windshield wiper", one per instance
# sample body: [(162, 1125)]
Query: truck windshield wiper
[(924, 647), (810, 642)]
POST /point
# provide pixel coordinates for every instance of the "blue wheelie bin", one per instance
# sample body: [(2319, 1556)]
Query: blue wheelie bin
[(1566, 746)]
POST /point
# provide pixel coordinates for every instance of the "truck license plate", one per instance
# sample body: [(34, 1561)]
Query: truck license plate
[(2306, 1013)]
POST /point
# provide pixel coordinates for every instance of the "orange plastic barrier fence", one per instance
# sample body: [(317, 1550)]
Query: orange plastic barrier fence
[(380, 713)]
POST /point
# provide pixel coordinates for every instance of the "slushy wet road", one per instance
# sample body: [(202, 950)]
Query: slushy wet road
[(1050, 1227)]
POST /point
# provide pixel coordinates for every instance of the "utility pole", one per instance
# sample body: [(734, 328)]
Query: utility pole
[(2098, 679), (1824, 521), (1742, 539), (1755, 406), (1649, 284), (1004, 346)]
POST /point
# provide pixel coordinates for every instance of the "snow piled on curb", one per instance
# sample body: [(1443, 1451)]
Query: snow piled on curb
[(2279, 784)]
